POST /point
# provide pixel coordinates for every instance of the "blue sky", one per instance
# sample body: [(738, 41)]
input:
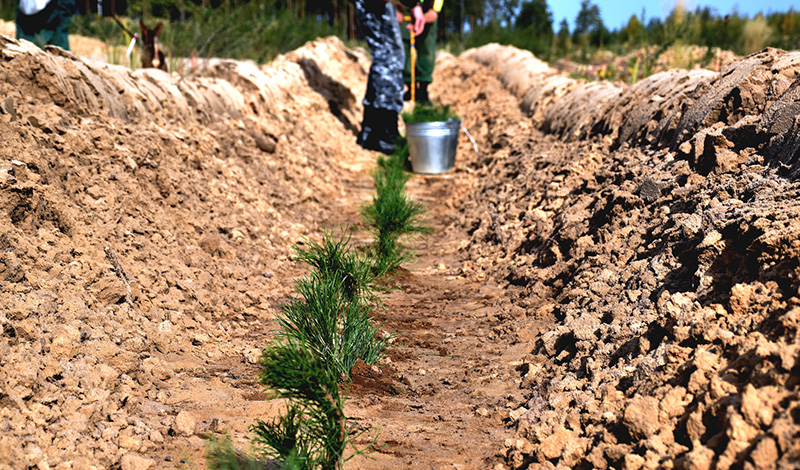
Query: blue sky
[(616, 14)]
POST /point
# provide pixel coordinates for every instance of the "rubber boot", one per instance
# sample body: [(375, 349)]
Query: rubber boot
[(407, 94), (422, 93), (387, 137), (366, 134), (378, 130)]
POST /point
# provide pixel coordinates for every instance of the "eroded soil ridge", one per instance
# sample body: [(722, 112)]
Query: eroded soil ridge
[(668, 267)]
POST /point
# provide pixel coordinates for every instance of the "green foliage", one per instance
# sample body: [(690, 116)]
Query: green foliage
[(563, 41), (786, 29), (313, 433), (536, 14), (249, 31), (392, 216), (429, 113), (334, 260), (390, 254), (283, 438), (246, 31), (634, 33), (392, 211), (589, 27), (389, 177), (221, 455), (102, 28), (633, 69), (260, 30), (756, 35), (399, 160), (335, 328), (323, 333)]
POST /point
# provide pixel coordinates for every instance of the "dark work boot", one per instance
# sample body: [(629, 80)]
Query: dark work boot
[(378, 130), (389, 133), (366, 134), (422, 93)]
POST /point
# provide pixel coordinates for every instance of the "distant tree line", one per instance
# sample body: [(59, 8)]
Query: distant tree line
[(532, 28), (259, 29)]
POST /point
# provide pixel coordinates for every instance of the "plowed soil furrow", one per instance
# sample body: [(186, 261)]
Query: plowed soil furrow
[(451, 384)]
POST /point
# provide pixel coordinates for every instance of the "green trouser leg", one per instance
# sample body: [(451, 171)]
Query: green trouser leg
[(425, 44), (49, 26), (60, 36)]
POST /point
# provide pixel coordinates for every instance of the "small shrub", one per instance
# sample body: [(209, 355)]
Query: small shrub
[(389, 177), (398, 159), (393, 212), (392, 215), (389, 254)]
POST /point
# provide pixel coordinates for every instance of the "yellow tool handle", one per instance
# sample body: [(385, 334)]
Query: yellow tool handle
[(413, 63)]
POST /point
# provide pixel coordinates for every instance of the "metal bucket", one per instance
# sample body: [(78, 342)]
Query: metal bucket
[(432, 145)]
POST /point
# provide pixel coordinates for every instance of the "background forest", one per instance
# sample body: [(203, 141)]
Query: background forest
[(261, 29)]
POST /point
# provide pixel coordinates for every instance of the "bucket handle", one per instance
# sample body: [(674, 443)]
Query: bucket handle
[(474, 145)]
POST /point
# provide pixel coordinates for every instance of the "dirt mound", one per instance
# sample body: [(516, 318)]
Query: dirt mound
[(670, 278), (736, 109), (143, 218)]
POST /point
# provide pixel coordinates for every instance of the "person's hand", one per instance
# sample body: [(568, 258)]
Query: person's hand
[(431, 16), (419, 19), (399, 17)]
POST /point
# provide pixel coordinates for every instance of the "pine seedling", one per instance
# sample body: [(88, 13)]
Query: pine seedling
[(429, 113), (399, 158), (334, 259), (285, 439), (389, 176), (392, 214), (313, 434), (389, 254), (338, 330), (222, 455)]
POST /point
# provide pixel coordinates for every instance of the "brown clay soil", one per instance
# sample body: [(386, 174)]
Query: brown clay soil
[(612, 281)]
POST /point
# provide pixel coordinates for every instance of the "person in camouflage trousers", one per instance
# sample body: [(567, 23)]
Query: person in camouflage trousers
[(383, 100)]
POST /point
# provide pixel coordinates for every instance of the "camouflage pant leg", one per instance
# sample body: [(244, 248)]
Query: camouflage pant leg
[(378, 22)]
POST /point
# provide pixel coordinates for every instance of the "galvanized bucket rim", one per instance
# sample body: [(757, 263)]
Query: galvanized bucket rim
[(449, 124)]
